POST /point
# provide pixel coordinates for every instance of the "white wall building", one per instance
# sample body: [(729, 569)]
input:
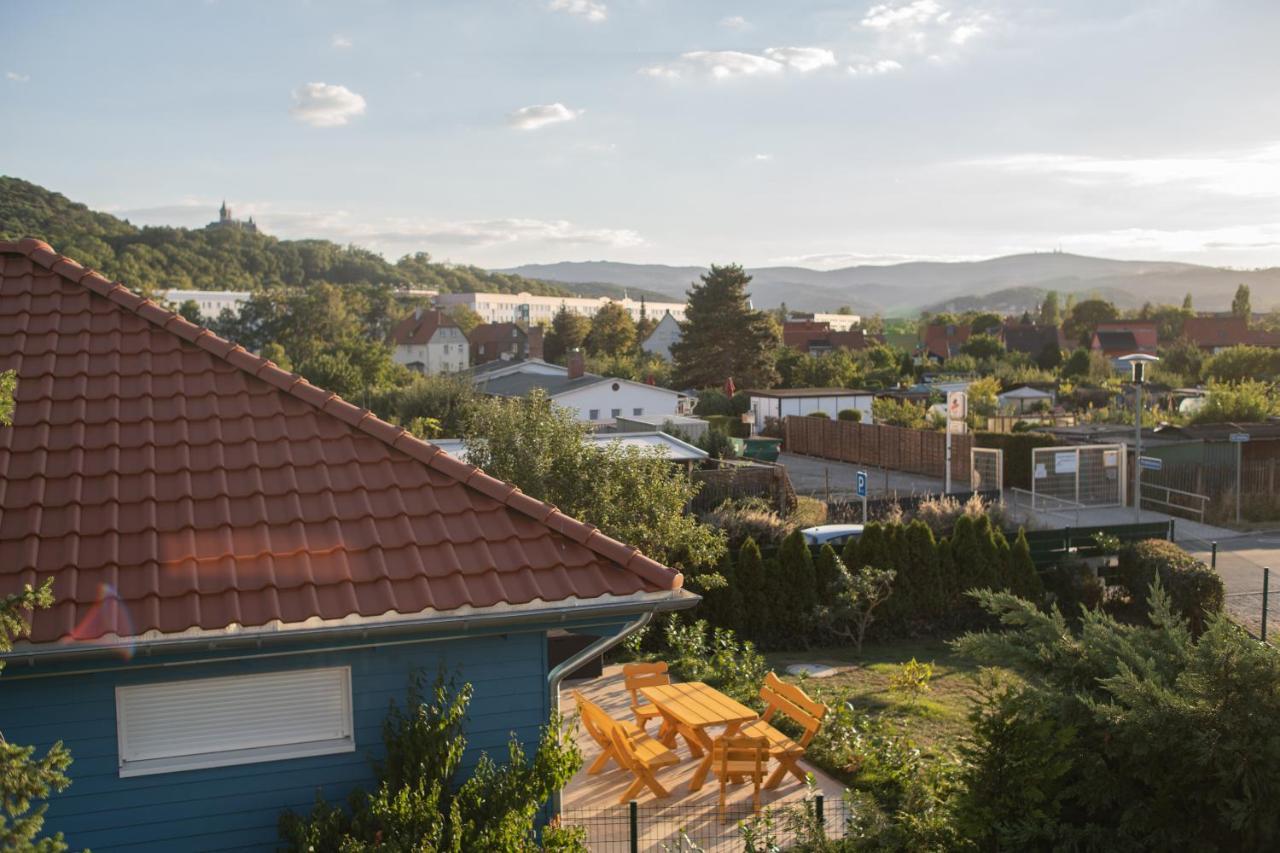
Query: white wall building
[(594, 399), (781, 402), (666, 333), (837, 322), (212, 302), (538, 310), (429, 342)]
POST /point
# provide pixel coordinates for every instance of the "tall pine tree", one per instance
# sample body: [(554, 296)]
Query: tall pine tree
[(722, 337), (749, 577)]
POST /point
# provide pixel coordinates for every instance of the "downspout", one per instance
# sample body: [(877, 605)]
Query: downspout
[(599, 647)]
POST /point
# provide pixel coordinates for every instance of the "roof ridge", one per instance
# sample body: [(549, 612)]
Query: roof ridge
[(628, 556)]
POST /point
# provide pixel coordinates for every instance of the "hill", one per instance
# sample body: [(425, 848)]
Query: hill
[(159, 258), (910, 287)]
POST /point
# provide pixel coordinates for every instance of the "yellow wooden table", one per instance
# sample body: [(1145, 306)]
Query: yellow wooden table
[(689, 709)]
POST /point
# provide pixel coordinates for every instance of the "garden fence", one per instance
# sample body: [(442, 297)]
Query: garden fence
[(643, 827), (1259, 480), (916, 451)]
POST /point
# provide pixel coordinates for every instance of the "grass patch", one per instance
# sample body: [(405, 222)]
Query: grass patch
[(936, 722)]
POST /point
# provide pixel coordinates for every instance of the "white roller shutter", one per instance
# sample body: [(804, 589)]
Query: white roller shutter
[(214, 722)]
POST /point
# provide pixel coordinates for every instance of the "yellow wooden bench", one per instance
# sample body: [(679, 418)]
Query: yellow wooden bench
[(790, 701), (639, 675), (626, 744)]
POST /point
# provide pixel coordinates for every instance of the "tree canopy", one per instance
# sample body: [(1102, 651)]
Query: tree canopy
[(722, 336)]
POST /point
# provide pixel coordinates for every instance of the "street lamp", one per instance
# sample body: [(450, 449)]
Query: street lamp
[(1138, 361)]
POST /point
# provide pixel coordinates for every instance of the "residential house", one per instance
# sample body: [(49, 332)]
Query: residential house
[(673, 448), (594, 399), (814, 337), (430, 342), (1214, 334), (509, 341), (837, 322), (687, 426), (210, 302), (778, 403), (1031, 339), (247, 570), (666, 333), (1117, 338), (943, 340)]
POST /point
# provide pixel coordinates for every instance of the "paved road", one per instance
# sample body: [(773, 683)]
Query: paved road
[(1241, 558), (811, 476)]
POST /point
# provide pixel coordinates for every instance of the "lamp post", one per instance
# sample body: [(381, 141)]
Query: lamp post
[(1138, 362)]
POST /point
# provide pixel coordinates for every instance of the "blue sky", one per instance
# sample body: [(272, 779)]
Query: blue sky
[(666, 131)]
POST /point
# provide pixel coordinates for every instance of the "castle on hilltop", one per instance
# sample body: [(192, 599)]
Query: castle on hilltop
[(226, 220)]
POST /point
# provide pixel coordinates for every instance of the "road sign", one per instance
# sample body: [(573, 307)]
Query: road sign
[(1239, 437), (862, 484), (1150, 463), (957, 405), (957, 427)]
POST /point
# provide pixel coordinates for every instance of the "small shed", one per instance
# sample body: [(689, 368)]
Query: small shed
[(778, 403), (687, 426)]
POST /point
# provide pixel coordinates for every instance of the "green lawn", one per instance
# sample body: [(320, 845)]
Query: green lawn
[(936, 722)]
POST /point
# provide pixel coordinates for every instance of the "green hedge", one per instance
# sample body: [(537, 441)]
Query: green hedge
[(1017, 447), (1195, 589)]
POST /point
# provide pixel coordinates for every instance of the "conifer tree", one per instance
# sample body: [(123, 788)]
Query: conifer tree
[(920, 552), (1025, 580), (798, 594), (722, 336), (826, 570), (750, 578)]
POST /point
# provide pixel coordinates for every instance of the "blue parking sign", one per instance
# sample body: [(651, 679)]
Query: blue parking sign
[(862, 484)]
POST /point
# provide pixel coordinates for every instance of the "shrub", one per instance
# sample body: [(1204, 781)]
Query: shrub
[(748, 518), (750, 575), (809, 512), (421, 804), (715, 656), (911, 680), (854, 415), (1195, 590), (818, 414), (1024, 578)]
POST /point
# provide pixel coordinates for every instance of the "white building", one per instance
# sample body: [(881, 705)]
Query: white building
[(538, 310), (212, 302), (836, 322), (781, 402), (666, 333), (429, 342), (594, 399)]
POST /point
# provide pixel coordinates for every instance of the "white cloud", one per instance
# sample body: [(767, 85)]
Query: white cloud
[(326, 105), (1176, 242), (728, 64), (887, 16), (16, 77), (735, 22), (964, 32), (802, 59), (840, 260), (541, 115), (762, 158), (874, 68), (1250, 172), (592, 10), (339, 41)]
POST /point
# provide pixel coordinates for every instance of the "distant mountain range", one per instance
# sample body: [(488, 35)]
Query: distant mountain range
[(1010, 284)]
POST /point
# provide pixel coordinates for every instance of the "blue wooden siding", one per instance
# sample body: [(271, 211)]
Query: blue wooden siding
[(238, 807)]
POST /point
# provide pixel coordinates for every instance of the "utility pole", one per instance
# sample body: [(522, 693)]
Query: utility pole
[(1138, 361)]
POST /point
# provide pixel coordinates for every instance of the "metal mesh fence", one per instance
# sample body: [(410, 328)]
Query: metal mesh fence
[(986, 470), (1092, 475), (700, 827)]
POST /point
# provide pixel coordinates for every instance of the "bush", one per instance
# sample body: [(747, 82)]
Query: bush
[(854, 415), (1195, 590), (715, 656), (748, 518), (1072, 585), (818, 414)]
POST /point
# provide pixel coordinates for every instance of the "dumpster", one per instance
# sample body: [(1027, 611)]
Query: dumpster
[(762, 449)]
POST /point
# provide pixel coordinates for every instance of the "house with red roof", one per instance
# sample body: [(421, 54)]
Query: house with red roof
[(943, 340), (1214, 334), (246, 569), (814, 337), (1115, 338), (506, 341), (430, 342)]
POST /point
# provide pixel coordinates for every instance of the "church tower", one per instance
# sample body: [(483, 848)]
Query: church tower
[(224, 213)]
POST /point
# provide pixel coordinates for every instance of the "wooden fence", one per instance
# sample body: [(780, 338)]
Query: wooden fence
[(916, 451), (1218, 481), (739, 481)]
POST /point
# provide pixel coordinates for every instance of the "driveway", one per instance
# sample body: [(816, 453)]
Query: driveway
[(812, 477), (1241, 558)]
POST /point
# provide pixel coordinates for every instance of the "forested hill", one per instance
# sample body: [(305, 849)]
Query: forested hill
[(158, 258)]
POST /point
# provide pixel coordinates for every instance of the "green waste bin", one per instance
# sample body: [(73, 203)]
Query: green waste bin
[(763, 449)]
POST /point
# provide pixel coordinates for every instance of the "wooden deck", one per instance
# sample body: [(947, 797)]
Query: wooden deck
[(659, 818)]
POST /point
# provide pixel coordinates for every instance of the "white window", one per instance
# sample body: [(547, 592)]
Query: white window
[(242, 719)]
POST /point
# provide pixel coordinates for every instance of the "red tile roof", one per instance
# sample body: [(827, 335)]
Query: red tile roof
[(945, 339), (419, 327), (1216, 332), (196, 485), (1143, 331)]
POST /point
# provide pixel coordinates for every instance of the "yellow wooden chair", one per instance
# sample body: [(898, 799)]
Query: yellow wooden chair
[(638, 675), (643, 756), (739, 757), (600, 726), (792, 702)]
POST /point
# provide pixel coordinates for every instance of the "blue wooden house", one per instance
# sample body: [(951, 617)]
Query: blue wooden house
[(247, 569)]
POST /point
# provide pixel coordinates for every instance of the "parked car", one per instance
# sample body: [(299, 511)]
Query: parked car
[(831, 534)]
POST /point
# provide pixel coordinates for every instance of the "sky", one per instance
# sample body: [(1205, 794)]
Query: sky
[(822, 134)]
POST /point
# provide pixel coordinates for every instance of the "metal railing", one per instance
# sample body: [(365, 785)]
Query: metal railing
[(1170, 501)]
